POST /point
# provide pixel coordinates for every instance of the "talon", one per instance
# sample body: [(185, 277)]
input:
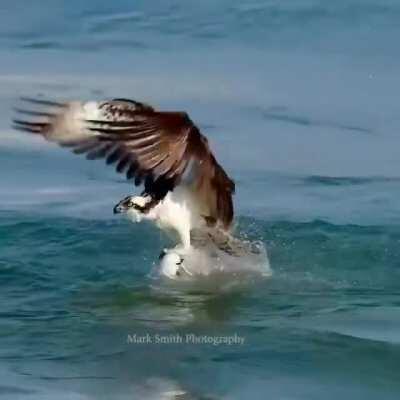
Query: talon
[(185, 269)]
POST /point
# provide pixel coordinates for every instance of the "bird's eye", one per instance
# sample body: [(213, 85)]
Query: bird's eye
[(130, 204)]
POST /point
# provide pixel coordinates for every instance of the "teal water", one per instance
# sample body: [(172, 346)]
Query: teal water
[(300, 102)]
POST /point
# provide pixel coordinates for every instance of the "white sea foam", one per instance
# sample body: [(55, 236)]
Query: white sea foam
[(210, 268)]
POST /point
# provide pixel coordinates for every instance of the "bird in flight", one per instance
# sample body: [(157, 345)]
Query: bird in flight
[(184, 186)]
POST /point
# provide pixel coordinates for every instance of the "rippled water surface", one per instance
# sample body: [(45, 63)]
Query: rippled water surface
[(300, 102)]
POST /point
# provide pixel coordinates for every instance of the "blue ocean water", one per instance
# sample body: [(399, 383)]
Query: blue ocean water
[(300, 102)]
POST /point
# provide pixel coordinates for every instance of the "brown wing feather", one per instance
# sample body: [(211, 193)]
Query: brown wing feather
[(152, 147)]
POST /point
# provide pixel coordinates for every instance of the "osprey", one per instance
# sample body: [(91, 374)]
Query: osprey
[(185, 188)]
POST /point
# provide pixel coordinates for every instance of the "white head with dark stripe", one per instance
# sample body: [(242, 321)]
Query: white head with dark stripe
[(135, 207)]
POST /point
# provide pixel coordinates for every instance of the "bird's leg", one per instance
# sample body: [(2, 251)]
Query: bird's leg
[(183, 231), (184, 236), (183, 248)]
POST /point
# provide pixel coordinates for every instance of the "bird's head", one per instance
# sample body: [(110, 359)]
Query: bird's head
[(132, 206)]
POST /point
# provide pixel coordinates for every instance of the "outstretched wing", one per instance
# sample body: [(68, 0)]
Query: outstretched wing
[(155, 148)]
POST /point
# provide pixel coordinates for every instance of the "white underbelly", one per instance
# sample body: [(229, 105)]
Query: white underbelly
[(174, 211)]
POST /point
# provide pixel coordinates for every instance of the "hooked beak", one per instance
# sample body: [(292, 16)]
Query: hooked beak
[(118, 209)]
